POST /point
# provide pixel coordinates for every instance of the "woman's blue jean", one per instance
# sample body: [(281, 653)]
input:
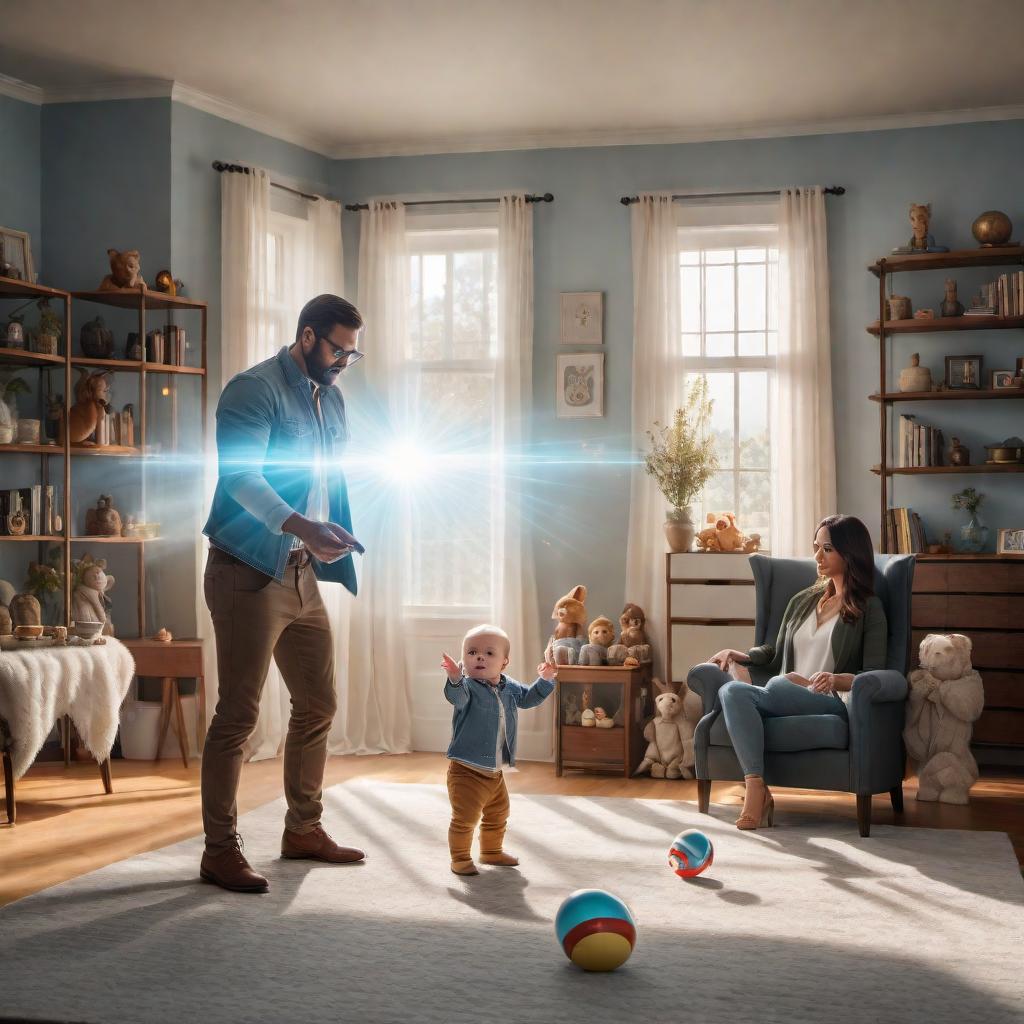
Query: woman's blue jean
[(746, 706)]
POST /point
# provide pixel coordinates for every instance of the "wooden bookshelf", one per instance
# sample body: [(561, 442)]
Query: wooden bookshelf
[(985, 467), (939, 324), (996, 256), (960, 395)]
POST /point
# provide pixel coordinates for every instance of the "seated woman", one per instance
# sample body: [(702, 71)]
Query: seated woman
[(830, 632)]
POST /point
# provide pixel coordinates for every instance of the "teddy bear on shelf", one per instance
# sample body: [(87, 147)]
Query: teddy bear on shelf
[(89, 602), (725, 535), (632, 647), (601, 635), (669, 734), (125, 271), (570, 614), (571, 713), (946, 696)]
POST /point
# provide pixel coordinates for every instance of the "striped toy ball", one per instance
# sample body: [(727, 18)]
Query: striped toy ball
[(691, 853), (595, 929)]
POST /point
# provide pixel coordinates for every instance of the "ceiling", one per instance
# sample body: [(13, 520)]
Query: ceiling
[(379, 77)]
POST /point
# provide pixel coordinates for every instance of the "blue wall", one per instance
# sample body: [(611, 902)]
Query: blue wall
[(19, 172), (582, 243)]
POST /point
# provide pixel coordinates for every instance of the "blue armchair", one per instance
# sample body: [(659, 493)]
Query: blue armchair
[(863, 757)]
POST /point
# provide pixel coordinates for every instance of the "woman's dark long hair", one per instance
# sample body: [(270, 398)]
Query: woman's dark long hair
[(850, 537)]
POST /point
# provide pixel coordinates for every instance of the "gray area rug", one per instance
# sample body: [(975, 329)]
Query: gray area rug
[(803, 922)]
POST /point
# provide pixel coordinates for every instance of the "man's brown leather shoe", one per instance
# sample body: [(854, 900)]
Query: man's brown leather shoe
[(230, 870), (317, 845)]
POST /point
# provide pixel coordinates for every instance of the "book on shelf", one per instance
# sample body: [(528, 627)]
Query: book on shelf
[(904, 532), (917, 444)]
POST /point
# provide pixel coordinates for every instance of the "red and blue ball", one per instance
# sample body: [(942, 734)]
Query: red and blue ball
[(595, 929), (691, 853)]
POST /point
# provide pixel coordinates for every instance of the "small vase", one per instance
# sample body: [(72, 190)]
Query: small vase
[(973, 535), (679, 530)]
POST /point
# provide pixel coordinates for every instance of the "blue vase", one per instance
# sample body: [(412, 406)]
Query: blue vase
[(973, 536)]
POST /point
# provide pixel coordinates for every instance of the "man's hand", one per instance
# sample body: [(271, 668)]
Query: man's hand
[(451, 668), (547, 671), (822, 682), (327, 542)]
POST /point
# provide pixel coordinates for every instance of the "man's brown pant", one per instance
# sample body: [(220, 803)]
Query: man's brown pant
[(472, 795), (256, 618)]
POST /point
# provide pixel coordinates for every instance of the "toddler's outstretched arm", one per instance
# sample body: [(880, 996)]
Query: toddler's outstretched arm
[(454, 690)]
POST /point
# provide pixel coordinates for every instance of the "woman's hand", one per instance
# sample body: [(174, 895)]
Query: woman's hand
[(822, 682), (722, 658), (547, 671), (451, 668), (795, 677)]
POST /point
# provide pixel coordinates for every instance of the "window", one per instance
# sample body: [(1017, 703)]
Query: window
[(729, 321), (287, 251), (450, 390)]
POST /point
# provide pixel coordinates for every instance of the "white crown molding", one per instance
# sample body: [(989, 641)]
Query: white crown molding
[(19, 90), (124, 89), (659, 137)]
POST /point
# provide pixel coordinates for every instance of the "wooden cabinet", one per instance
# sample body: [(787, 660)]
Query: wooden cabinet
[(710, 606), (981, 596), (625, 694)]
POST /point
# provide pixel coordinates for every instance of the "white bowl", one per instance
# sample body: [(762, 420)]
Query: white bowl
[(87, 630)]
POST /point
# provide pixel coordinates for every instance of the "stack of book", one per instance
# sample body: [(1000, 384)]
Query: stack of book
[(38, 504), (917, 444), (1002, 297), (168, 345), (904, 533)]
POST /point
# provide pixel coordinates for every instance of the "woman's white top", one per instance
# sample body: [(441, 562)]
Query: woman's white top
[(812, 646)]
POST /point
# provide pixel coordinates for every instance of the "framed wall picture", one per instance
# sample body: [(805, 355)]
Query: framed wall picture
[(16, 255), (582, 314), (963, 372), (1011, 542), (1000, 380), (579, 384)]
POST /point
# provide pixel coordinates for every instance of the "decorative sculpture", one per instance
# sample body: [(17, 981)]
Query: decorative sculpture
[(92, 401), (922, 241), (89, 602), (104, 520)]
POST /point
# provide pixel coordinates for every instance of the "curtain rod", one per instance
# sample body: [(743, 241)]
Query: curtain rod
[(832, 190), (546, 198), (219, 166)]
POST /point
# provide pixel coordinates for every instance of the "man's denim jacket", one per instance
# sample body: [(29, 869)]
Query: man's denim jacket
[(475, 720), (267, 441)]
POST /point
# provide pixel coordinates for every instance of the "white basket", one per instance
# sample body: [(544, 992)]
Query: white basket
[(139, 723)]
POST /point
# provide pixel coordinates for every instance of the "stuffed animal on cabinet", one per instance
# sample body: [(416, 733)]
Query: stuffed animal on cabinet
[(601, 635), (92, 402), (125, 271), (570, 614), (632, 647), (669, 734), (725, 535)]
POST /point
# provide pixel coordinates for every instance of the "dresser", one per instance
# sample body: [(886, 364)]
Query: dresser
[(710, 606), (981, 596)]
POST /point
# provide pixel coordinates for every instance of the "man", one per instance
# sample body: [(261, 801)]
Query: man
[(279, 522)]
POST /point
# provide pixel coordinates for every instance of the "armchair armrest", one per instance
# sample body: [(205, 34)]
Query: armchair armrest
[(876, 710), (707, 680), (879, 686)]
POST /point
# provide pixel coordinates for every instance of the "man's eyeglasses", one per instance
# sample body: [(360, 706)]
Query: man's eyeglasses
[(347, 357)]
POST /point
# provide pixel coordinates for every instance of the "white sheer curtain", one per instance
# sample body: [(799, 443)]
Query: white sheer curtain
[(803, 440), (656, 393), (374, 712), (515, 584)]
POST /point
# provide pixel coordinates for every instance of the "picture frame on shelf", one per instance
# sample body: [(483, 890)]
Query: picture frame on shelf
[(1011, 542), (963, 373), (582, 318), (579, 384), (1001, 380), (16, 255)]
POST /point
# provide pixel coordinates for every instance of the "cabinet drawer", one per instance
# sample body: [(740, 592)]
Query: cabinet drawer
[(593, 744), (1004, 689), (1005, 728), (697, 566), (991, 650), (692, 645), (712, 601), (958, 612), (969, 578)]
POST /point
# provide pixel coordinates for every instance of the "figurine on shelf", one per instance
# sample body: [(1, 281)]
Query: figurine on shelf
[(570, 613), (163, 635), (600, 636), (915, 377), (167, 284), (632, 647), (922, 241), (725, 536), (951, 305), (959, 454), (96, 339), (89, 602), (133, 347), (601, 719), (92, 402), (104, 520), (125, 271), (25, 610)]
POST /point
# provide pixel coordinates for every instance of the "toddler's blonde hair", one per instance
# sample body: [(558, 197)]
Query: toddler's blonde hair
[(486, 630)]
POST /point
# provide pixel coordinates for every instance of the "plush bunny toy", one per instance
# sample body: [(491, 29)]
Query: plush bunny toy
[(669, 734)]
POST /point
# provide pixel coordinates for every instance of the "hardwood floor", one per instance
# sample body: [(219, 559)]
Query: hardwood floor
[(67, 826)]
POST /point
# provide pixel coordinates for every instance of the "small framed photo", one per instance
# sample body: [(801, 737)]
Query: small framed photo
[(1001, 380), (963, 372), (16, 255), (579, 384), (1011, 542), (581, 318)]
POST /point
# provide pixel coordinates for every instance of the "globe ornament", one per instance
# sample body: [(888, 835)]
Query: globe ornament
[(992, 228)]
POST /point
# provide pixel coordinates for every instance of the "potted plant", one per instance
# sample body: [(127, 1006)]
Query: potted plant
[(682, 459), (47, 334), (973, 533), (46, 584)]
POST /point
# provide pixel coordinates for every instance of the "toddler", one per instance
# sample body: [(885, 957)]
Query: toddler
[(483, 739)]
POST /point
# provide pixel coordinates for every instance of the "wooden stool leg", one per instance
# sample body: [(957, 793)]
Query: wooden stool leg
[(165, 716), (9, 787), (179, 723), (65, 735), (108, 785)]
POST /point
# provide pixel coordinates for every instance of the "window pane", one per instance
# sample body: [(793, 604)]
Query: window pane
[(719, 298), (750, 255), (750, 281), (720, 344), (691, 344), (753, 410), (689, 287), (720, 391), (754, 504), (752, 343), (773, 342), (469, 306), (491, 286), (773, 289), (415, 297), (719, 255), (719, 495), (689, 258), (434, 286)]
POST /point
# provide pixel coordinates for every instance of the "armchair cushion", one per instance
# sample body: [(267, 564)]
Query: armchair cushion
[(793, 732)]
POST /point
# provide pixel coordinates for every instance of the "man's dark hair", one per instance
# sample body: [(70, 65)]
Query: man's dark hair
[(324, 312)]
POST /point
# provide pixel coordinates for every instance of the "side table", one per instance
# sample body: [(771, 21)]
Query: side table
[(625, 694), (172, 661)]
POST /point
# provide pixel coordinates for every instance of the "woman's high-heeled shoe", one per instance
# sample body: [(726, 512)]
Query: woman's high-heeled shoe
[(748, 821)]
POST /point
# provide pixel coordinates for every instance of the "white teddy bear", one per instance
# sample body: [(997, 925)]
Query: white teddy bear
[(669, 734), (946, 696)]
